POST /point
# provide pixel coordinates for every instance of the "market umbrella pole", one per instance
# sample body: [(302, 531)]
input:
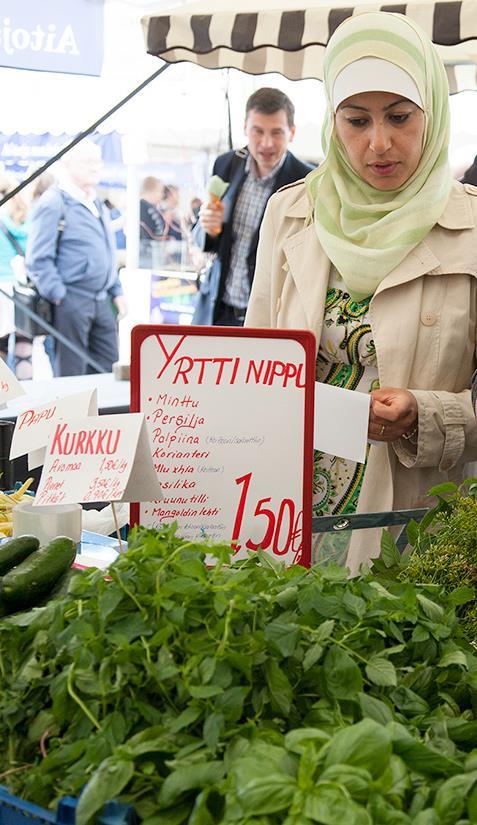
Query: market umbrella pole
[(83, 134)]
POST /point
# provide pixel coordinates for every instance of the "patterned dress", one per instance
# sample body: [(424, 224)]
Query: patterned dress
[(347, 359)]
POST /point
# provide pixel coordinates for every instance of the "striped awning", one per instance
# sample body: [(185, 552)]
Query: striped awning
[(261, 38)]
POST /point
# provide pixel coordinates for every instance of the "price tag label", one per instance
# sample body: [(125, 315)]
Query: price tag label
[(10, 387), (229, 414), (33, 426), (96, 459)]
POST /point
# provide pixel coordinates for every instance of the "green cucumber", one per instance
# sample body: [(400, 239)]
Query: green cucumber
[(36, 575), (15, 551)]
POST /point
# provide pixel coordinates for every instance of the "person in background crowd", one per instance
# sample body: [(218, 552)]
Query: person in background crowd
[(193, 216), (231, 226), (71, 256), (170, 212), (14, 228), (151, 222), (174, 227), (117, 225), (375, 253), (40, 185)]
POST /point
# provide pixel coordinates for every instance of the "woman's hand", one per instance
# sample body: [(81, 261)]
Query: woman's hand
[(393, 412)]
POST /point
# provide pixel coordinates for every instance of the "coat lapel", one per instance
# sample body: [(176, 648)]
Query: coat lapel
[(307, 264), (309, 268)]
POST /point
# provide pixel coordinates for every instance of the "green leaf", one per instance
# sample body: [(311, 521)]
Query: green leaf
[(283, 635), (231, 701), (374, 708), (279, 687), (354, 604), (357, 781), (213, 727), (381, 671), (453, 657), (381, 591), (266, 795), (365, 745), (389, 552), (312, 656), (297, 740), (342, 675), (184, 779), (462, 595), (412, 532), (108, 601), (204, 691), (433, 611), (186, 718), (107, 782), (427, 817), (450, 797), (472, 805), (408, 701), (329, 804), (200, 813), (324, 630), (418, 756), (448, 488), (420, 634)]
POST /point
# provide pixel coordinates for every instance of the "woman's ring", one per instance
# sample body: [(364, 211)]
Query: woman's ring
[(383, 429)]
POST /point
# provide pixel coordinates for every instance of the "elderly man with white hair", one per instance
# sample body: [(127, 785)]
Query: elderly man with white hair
[(71, 256)]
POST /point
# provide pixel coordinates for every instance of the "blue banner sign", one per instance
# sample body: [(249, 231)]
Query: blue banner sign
[(53, 36), (21, 153)]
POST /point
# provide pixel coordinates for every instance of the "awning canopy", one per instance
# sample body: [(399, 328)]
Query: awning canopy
[(261, 38)]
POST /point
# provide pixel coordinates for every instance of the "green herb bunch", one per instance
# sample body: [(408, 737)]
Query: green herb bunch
[(445, 549), (241, 694)]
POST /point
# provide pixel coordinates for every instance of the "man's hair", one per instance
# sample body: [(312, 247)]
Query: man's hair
[(150, 183), (267, 101)]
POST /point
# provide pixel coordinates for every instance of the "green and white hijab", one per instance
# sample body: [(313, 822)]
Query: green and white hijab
[(364, 231)]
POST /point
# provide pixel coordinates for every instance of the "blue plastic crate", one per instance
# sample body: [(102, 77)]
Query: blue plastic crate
[(15, 811)]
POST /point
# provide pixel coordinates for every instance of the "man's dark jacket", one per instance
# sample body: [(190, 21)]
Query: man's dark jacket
[(231, 167)]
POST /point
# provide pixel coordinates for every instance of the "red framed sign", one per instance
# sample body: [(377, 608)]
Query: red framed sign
[(229, 412)]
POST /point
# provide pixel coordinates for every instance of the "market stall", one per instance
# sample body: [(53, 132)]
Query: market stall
[(199, 690), (265, 37)]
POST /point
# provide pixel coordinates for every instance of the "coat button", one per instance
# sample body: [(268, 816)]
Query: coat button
[(428, 318)]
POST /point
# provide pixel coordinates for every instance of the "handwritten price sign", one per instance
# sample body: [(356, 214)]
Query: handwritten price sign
[(229, 413)]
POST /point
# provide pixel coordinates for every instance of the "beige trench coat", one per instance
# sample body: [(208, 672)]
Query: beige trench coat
[(423, 317)]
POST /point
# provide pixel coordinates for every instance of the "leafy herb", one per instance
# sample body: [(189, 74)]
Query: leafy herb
[(240, 694)]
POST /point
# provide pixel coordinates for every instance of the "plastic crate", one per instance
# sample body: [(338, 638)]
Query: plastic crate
[(15, 811)]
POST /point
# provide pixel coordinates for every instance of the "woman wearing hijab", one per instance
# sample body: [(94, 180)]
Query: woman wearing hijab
[(375, 253)]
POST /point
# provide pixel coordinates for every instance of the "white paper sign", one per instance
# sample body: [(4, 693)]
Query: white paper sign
[(341, 422), (10, 387), (230, 435), (33, 426), (101, 458)]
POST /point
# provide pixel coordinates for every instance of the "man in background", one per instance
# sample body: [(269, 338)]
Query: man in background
[(71, 257), (231, 226), (151, 222)]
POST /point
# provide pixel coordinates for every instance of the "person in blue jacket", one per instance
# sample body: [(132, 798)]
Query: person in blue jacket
[(71, 256)]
